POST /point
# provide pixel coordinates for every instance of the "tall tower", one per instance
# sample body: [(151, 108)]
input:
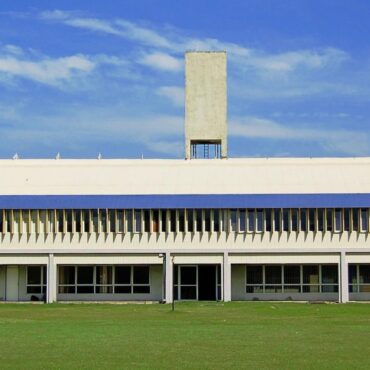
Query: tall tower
[(205, 105)]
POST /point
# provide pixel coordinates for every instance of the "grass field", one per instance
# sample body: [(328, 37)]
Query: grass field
[(251, 335)]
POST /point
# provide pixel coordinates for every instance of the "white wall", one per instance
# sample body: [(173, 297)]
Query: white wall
[(228, 176)]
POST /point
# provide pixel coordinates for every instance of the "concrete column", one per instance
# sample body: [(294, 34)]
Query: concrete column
[(227, 278), (169, 278), (343, 278), (51, 288)]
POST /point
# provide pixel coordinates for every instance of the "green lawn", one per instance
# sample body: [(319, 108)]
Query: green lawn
[(251, 335)]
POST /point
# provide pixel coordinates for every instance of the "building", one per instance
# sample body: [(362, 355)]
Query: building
[(198, 228)]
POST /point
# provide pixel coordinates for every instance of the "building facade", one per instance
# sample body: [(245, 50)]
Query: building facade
[(204, 228)]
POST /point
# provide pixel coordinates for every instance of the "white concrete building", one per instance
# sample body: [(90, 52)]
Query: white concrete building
[(199, 229)]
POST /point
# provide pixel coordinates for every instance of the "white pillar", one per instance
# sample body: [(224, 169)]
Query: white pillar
[(51, 288), (343, 282), (169, 278), (227, 278)]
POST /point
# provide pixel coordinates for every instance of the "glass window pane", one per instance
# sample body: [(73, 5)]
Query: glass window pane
[(181, 213), (120, 222), (277, 219), (103, 275), (320, 219), (310, 274), (268, 217), (103, 220), (273, 274), (129, 220), (364, 271), (122, 275), (311, 216), (254, 274), (242, 220), (155, 221), (188, 292), (347, 212), (188, 275), (259, 220), (198, 219), (329, 274), (123, 289), (294, 219), (141, 289), (251, 220), (85, 275), (338, 219), (292, 274), (304, 219), (66, 275), (173, 220), (85, 289), (190, 216), (364, 223), (94, 215), (69, 220), (216, 220), (355, 219), (233, 219), (352, 274), (141, 274), (138, 226), (34, 275), (329, 219), (286, 219), (207, 220)]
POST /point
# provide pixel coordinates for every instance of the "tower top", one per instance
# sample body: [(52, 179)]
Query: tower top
[(205, 104)]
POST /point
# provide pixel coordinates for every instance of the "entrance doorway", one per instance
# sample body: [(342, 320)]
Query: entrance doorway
[(197, 282)]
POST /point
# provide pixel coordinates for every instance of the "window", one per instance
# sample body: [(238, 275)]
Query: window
[(120, 221), (286, 226), (312, 219), (338, 222), (242, 220), (304, 220), (347, 219), (66, 279), (277, 219), (181, 214), (329, 219), (104, 279), (112, 221), (129, 218), (69, 220), (320, 219), (329, 277), (251, 220), (185, 284), (311, 278), (86, 218), (36, 279), (155, 221), (173, 220), (216, 220), (254, 279), (103, 220), (233, 220), (292, 278), (198, 220), (85, 279), (95, 219), (259, 220), (273, 279), (138, 221), (268, 213), (294, 213), (364, 220), (355, 219), (122, 279), (190, 215), (78, 216), (141, 279)]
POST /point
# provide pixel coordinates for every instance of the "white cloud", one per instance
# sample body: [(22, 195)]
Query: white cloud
[(47, 70), (161, 61), (174, 93), (338, 140)]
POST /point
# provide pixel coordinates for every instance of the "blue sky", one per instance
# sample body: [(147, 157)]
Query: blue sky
[(82, 77)]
